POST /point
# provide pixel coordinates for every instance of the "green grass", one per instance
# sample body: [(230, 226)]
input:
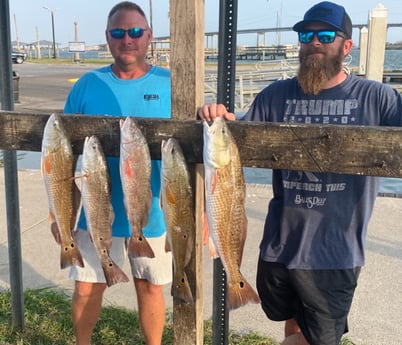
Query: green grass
[(48, 322)]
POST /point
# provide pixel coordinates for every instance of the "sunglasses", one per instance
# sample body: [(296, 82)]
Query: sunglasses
[(132, 33), (323, 36)]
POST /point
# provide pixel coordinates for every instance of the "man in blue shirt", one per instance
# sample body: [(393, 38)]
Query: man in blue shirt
[(128, 87)]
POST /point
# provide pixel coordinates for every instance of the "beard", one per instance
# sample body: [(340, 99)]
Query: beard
[(316, 70)]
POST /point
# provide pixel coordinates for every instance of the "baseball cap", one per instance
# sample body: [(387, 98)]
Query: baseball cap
[(328, 13)]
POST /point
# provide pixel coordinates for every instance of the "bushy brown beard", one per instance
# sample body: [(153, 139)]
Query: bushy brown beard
[(315, 71)]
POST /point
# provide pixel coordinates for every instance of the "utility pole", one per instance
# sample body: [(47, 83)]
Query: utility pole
[(151, 25), (76, 54), (38, 45), (53, 34), (16, 33)]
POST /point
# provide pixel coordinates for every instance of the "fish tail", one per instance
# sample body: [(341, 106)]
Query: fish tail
[(240, 293), (139, 246), (113, 273), (181, 288), (70, 255)]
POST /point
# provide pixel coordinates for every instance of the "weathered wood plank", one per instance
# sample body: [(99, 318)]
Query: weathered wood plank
[(187, 73), (360, 150)]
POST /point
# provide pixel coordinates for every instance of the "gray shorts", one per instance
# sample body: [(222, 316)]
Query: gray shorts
[(157, 270)]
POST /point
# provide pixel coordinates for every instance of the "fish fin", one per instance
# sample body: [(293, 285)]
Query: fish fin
[(181, 288), (205, 230), (77, 203), (111, 214), (113, 273), (46, 166), (170, 195), (51, 217), (240, 293), (139, 246), (168, 248), (189, 248), (70, 255), (214, 181), (128, 171), (213, 253), (242, 240)]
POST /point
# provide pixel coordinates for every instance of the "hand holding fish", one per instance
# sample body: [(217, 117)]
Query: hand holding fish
[(210, 112)]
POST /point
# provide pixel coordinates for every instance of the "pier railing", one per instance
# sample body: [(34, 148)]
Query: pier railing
[(249, 83)]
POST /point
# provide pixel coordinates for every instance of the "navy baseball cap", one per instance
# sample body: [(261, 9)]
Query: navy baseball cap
[(328, 13)]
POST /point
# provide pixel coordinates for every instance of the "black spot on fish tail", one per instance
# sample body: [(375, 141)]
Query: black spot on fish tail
[(240, 293), (113, 273), (70, 255), (181, 288), (138, 246)]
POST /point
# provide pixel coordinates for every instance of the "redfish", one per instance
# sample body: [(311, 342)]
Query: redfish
[(225, 208), (58, 167), (178, 210), (135, 175), (96, 200)]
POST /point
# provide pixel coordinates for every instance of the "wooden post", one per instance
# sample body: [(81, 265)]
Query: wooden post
[(376, 43), (363, 50), (187, 71), (187, 57)]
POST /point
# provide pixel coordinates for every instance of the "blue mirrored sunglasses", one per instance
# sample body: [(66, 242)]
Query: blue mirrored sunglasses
[(323, 36), (133, 33)]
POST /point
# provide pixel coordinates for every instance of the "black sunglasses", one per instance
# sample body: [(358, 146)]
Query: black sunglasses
[(133, 33), (323, 36)]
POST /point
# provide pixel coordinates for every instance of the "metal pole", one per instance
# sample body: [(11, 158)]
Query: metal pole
[(151, 25), (225, 95), (76, 54), (54, 38), (11, 175), (53, 34)]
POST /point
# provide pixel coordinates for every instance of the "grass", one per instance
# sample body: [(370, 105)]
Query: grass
[(48, 322)]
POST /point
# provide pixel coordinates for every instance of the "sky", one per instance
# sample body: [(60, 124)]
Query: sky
[(30, 20)]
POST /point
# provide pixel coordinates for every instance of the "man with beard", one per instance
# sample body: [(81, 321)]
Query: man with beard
[(314, 234)]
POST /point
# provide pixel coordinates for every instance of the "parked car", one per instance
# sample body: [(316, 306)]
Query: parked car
[(18, 57)]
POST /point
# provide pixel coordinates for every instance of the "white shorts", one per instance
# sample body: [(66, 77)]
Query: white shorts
[(157, 270)]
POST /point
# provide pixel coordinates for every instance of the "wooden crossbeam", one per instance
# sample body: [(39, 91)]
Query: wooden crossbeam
[(362, 150)]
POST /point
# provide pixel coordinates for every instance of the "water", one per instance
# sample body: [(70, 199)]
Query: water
[(392, 59)]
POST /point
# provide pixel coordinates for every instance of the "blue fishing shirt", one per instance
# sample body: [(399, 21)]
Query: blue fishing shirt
[(100, 92)]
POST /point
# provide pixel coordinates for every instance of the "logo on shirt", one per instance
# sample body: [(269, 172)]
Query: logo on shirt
[(151, 97), (328, 111)]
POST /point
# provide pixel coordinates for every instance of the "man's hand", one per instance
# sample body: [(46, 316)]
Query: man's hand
[(209, 112)]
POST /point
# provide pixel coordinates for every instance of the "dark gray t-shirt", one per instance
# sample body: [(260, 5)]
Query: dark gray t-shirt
[(319, 220)]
